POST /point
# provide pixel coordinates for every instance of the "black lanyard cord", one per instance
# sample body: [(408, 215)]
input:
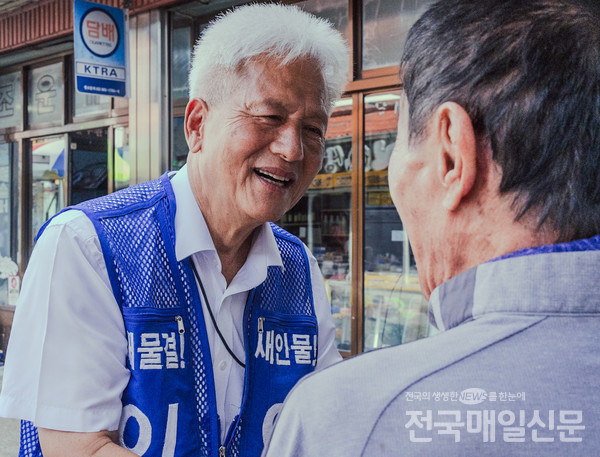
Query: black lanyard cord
[(212, 317)]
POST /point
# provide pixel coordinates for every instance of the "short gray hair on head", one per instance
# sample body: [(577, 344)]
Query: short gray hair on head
[(273, 31), (527, 73)]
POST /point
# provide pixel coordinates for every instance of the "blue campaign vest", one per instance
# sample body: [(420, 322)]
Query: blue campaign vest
[(169, 406)]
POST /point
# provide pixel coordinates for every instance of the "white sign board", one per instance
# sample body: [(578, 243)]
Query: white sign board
[(101, 39)]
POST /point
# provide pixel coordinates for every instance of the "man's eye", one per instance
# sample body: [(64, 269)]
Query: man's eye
[(272, 117), (315, 130)]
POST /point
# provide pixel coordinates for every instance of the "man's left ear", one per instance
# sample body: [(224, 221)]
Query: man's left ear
[(195, 116), (457, 159)]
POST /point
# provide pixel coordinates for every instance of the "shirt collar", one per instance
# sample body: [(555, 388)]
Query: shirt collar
[(191, 231), (548, 279)]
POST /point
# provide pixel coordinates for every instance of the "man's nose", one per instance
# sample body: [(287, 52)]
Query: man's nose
[(288, 143)]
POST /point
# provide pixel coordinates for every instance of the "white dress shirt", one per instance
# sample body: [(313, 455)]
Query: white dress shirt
[(65, 362)]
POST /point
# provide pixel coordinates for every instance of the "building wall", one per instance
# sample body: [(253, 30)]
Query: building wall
[(149, 103), (40, 21)]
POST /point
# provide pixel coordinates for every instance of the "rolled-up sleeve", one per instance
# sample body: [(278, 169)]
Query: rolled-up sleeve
[(65, 362)]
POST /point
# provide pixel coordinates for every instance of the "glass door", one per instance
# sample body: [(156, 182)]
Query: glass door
[(8, 192), (48, 179), (322, 219), (85, 164), (89, 164), (394, 309), (120, 159)]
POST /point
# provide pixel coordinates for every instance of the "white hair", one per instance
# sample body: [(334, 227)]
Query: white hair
[(272, 31)]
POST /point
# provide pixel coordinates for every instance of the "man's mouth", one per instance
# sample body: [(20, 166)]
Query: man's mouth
[(280, 181)]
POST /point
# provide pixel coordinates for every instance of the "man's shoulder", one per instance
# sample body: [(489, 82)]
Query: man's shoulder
[(371, 380), (382, 375), (382, 371), (72, 222), (361, 402), (338, 407), (143, 194), (69, 218), (283, 236), (363, 371)]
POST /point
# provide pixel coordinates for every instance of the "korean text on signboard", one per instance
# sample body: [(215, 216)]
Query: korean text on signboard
[(101, 49)]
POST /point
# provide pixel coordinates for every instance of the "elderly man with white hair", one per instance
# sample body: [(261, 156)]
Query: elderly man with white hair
[(172, 318)]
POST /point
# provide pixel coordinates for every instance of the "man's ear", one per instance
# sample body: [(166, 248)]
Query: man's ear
[(457, 159), (195, 117)]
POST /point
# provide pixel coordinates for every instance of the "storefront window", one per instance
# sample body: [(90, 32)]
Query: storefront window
[(385, 26), (5, 199), (181, 54), (335, 11), (180, 147), (181, 51), (11, 104), (322, 219), (121, 165), (394, 309), (8, 267), (90, 105), (89, 164), (48, 173), (45, 105)]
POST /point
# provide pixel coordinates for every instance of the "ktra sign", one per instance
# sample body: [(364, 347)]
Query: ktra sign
[(101, 49)]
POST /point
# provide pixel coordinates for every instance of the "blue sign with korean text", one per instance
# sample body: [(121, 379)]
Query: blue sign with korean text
[(101, 39)]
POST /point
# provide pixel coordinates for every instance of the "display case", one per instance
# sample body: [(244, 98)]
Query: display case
[(322, 220)]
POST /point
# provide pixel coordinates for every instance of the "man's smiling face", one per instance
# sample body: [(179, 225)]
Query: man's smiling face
[(262, 146)]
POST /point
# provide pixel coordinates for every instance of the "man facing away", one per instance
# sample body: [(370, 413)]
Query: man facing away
[(171, 319), (495, 175)]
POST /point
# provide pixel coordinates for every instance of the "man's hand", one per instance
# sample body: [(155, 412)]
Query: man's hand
[(75, 444)]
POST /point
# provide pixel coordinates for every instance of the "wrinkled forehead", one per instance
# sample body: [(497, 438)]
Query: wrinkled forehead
[(278, 83), (304, 69)]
